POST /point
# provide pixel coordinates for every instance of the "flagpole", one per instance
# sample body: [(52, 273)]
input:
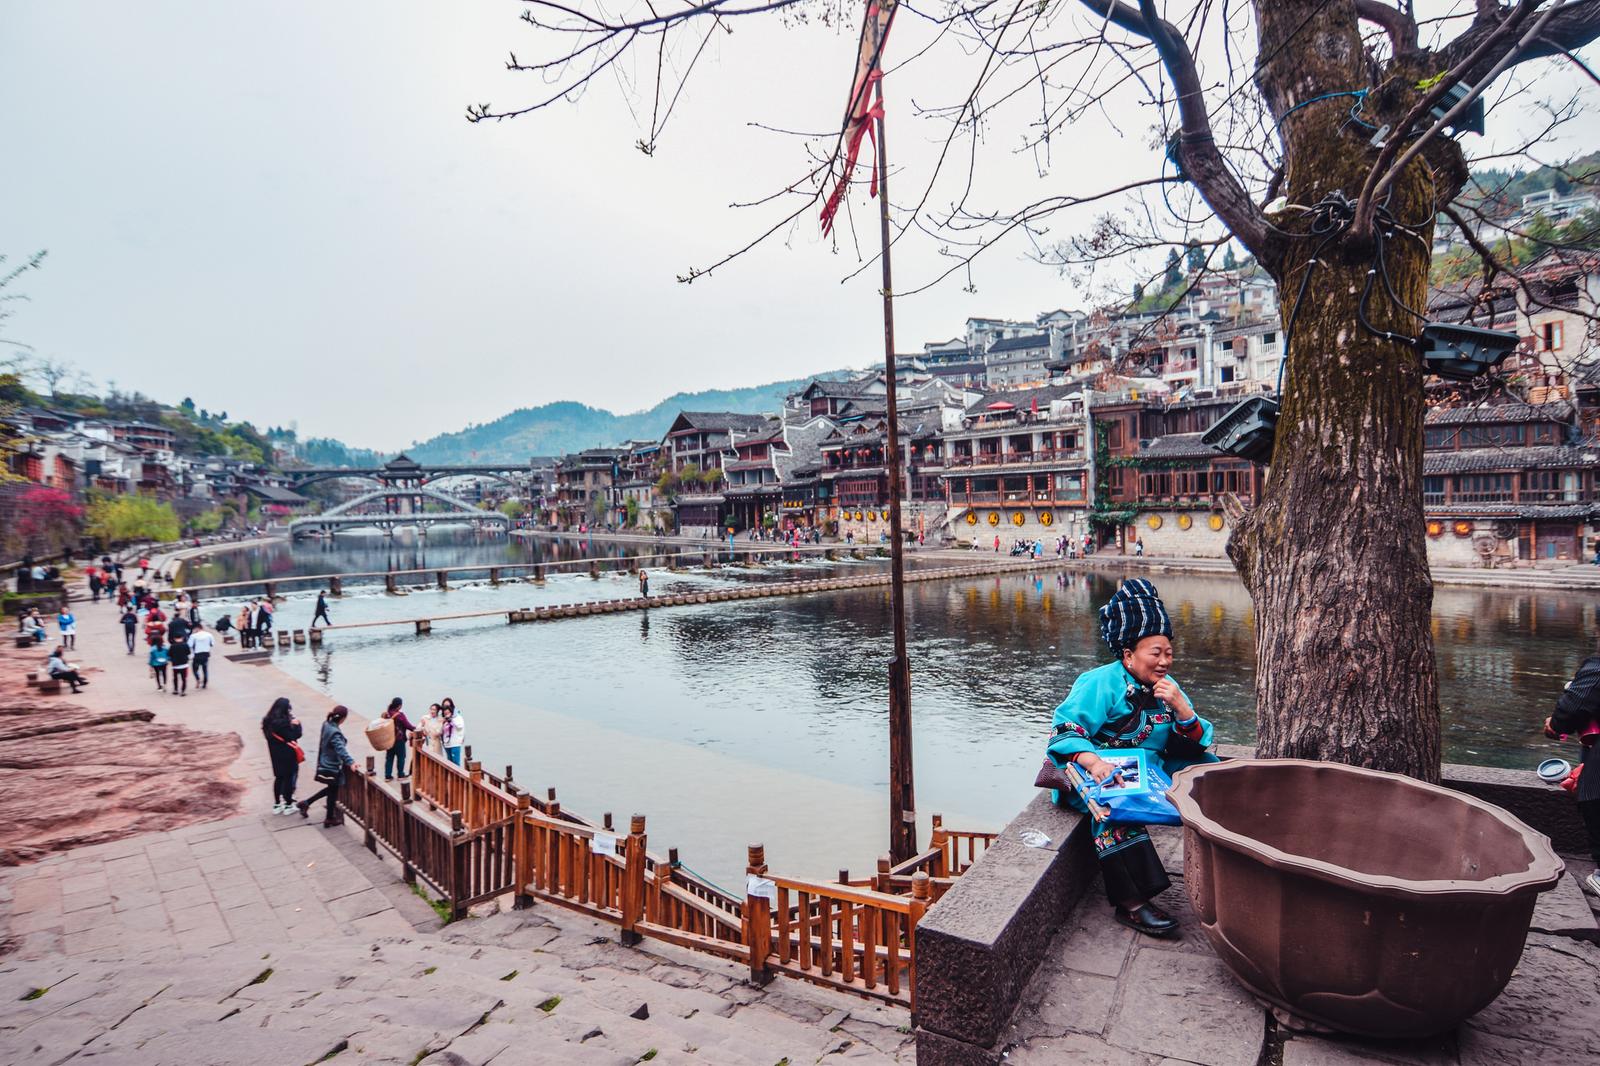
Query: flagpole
[(902, 793)]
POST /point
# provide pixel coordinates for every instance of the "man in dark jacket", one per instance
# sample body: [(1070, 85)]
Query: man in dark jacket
[(1577, 707)]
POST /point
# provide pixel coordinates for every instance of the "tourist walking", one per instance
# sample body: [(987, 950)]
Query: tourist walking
[(200, 644), (61, 670), (997, 544), (1138, 549), (1130, 703), (246, 625), (158, 662), (144, 567), (454, 734), (1577, 714), (178, 656), (394, 760), (644, 584), (95, 585), (333, 763), (282, 730), (130, 626), (322, 611), (67, 622), (430, 728)]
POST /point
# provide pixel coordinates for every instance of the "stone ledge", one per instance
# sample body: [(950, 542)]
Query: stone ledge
[(979, 945)]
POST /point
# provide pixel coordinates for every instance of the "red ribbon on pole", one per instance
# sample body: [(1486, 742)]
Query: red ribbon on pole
[(863, 108)]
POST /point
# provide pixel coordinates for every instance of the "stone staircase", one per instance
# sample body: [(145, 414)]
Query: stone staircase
[(539, 987)]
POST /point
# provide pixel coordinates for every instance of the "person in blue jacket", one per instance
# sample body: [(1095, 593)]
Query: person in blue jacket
[(1130, 703)]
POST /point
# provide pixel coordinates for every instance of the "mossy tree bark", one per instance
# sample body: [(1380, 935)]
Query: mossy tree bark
[(1334, 552)]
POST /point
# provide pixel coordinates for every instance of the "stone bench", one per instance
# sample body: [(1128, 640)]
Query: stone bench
[(979, 945)]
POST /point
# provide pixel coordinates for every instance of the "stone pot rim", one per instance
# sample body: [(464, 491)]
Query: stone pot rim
[(1543, 870)]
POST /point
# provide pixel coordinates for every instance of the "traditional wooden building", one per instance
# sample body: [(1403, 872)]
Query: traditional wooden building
[(1509, 483), (1017, 464)]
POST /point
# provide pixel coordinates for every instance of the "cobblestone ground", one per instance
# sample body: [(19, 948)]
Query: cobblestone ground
[(273, 941), (1106, 996)]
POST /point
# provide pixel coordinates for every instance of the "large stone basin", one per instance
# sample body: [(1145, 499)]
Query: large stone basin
[(1367, 902)]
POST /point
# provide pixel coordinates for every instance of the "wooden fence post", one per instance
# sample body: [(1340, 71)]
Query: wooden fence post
[(880, 883), (457, 864), (369, 786), (632, 880), (941, 840), (757, 918), (408, 869), (475, 793), (920, 892), (522, 852)]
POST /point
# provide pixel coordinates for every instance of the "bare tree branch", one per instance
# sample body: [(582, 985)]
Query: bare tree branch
[(1401, 27), (1197, 150)]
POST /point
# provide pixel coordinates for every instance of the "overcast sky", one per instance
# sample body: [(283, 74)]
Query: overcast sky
[(280, 211)]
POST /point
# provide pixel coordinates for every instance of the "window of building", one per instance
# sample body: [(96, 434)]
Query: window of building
[(1439, 437), (1552, 336), (1227, 373)]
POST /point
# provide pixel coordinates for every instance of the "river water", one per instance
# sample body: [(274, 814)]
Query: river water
[(765, 720)]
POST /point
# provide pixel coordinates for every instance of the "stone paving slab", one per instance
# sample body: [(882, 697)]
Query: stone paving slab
[(1106, 995)]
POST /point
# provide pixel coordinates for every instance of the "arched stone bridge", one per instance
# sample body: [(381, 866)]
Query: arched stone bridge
[(404, 489)]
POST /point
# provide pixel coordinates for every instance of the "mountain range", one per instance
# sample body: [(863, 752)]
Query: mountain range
[(568, 426)]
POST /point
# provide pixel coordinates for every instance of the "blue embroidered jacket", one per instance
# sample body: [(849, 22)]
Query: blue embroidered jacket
[(1100, 697)]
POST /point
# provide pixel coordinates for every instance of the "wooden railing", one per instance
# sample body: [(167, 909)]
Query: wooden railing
[(464, 866), (474, 836), (854, 939)]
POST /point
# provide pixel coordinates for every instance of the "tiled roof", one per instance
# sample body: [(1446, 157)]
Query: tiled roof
[(724, 420), (1558, 411), (1022, 399), (1179, 446), (1490, 460), (1514, 510), (1013, 344)]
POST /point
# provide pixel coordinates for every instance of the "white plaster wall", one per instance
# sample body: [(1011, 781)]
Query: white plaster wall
[(1066, 520), (1199, 541)]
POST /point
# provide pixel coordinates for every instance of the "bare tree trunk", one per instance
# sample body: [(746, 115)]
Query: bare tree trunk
[(1334, 553)]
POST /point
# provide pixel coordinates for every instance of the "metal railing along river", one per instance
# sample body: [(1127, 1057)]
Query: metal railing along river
[(474, 836)]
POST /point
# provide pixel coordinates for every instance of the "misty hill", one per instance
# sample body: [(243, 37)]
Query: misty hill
[(568, 426)]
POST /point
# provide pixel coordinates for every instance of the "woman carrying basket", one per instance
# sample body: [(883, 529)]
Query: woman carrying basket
[(1130, 703)]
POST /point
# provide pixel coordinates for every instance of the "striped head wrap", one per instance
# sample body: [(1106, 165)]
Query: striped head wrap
[(1134, 612)]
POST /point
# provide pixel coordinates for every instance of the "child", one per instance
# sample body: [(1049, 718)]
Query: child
[(69, 628), (158, 662)]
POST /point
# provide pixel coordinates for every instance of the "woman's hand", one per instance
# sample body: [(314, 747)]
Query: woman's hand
[(1095, 766), (1166, 690)]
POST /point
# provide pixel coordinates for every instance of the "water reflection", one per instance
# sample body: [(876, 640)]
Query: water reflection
[(754, 720)]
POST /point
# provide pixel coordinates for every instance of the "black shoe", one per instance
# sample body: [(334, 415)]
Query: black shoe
[(302, 809), (1148, 919)]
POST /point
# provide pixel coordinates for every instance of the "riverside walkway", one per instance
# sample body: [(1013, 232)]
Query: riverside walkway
[(265, 939)]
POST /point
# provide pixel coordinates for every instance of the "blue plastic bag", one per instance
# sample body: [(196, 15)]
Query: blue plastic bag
[(1136, 793)]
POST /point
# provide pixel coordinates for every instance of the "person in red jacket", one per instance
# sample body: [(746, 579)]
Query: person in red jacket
[(395, 758)]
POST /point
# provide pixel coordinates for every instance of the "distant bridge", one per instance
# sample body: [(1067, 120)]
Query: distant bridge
[(403, 493)]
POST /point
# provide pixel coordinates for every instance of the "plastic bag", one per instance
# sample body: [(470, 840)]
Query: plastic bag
[(1136, 794)]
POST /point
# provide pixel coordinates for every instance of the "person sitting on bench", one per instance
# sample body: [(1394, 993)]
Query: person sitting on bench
[(61, 670)]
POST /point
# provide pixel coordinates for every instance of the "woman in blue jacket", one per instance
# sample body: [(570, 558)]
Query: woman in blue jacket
[(1130, 703), (333, 762)]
